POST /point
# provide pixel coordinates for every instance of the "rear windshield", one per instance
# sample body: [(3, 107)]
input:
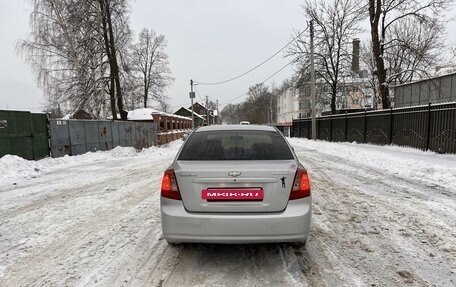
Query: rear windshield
[(236, 145)]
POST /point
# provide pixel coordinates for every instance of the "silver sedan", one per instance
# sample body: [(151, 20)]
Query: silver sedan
[(235, 184)]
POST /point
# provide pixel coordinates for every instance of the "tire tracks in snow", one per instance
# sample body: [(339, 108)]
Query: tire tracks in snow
[(81, 237), (360, 215), (114, 238), (107, 233), (234, 265)]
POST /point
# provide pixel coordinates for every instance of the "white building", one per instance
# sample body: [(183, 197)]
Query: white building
[(354, 94), (287, 106), (292, 104)]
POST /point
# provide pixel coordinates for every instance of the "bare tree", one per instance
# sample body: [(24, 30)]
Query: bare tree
[(110, 25), (56, 50), (72, 51), (413, 48), (149, 61), (393, 23), (336, 24), (453, 54), (368, 60), (230, 114), (260, 106), (164, 106)]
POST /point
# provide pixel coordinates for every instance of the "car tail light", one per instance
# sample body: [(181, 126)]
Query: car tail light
[(301, 185), (169, 188)]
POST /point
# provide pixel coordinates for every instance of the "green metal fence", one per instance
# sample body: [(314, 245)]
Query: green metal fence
[(24, 134), (33, 136)]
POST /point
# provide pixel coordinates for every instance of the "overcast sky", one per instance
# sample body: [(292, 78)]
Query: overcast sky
[(208, 41)]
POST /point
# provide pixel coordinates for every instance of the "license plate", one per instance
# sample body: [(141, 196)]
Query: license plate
[(233, 194)]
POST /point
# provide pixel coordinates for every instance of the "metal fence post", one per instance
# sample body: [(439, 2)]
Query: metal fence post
[(330, 128), (365, 125), (298, 131), (391, 126), (32, 146), (346, 127), (428, 131)]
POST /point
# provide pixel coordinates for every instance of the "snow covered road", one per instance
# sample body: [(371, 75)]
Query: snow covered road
[(383, 216)]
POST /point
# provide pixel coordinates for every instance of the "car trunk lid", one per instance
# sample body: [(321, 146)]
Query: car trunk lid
[(235, 186)]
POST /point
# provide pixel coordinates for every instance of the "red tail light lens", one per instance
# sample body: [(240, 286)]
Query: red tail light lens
[(169, 188), (301, 185)]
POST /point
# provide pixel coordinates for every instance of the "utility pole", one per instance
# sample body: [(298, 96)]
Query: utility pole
[(312, 81), (192, 96), (207, 111), (218, 115)]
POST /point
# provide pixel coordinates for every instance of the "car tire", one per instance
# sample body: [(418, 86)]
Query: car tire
[(299, 245), (174, 244)]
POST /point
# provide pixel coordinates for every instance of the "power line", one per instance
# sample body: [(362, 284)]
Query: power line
[(254, 68), (278, 71), (275, 73)]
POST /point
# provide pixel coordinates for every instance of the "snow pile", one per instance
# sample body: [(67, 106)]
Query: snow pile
[(429, 168), (12, 166), (123, 152), (168, 149), (142, 114)]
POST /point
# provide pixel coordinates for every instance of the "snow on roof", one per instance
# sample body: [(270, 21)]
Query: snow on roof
[(190, 111), (446, 70), (181, 117), (145, 114), (142, 114), (201, 104)]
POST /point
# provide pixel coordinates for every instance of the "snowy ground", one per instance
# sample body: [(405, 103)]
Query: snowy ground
[(383, 216)]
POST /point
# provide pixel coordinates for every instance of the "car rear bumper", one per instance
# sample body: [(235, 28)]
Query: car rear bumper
[(290, 225)]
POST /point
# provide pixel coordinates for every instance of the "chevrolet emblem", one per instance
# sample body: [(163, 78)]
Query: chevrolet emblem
[(234, 173)]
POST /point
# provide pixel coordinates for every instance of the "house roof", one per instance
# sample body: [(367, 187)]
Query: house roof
[(199, 104), (81, 114), (190, 112), (146, 114)]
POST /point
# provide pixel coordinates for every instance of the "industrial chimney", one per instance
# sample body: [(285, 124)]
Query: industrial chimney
[(355, 56)]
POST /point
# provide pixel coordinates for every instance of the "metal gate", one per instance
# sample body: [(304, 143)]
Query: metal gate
[(73, 137), (24, 134)]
